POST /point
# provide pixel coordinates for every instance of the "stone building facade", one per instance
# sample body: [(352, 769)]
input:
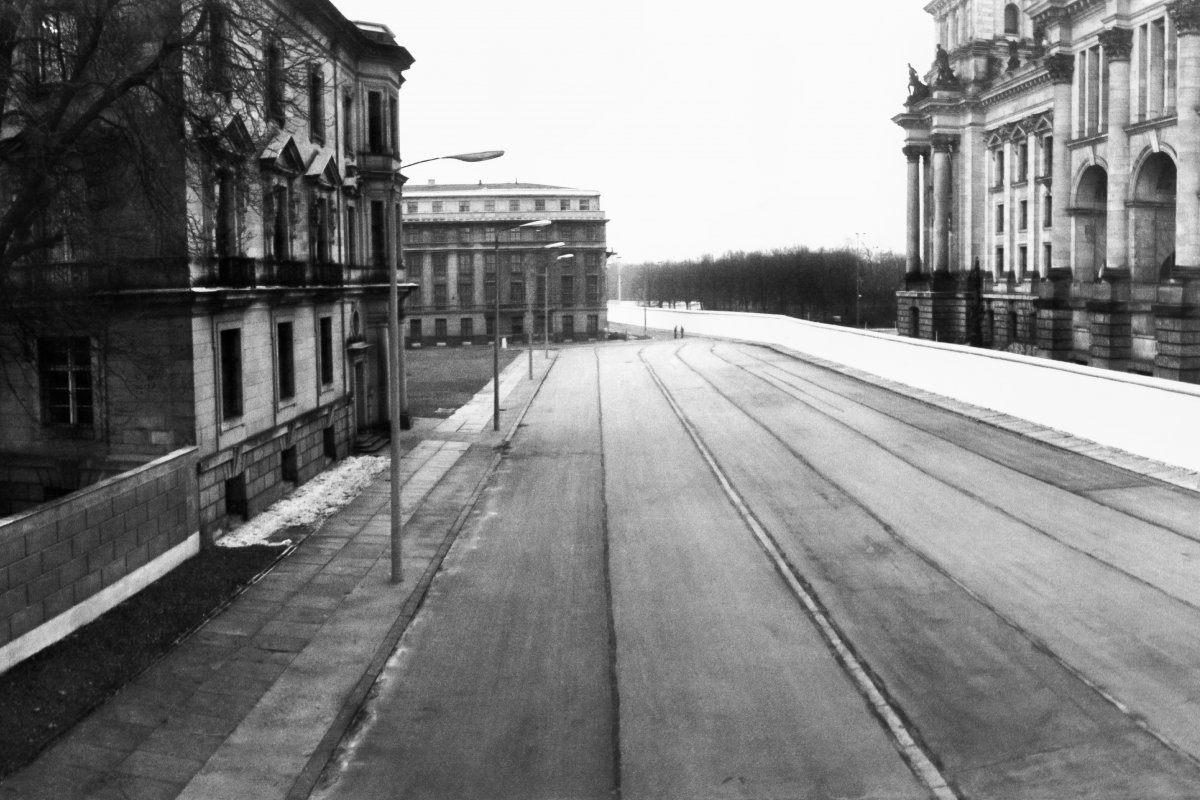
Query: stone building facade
[(1053, 182), (246, 319), (455, 236)]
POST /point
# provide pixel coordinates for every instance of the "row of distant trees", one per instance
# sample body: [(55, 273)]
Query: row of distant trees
[(818, 285)]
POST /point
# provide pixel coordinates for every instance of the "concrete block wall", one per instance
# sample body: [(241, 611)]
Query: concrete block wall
[(258, 461), (69, 560)]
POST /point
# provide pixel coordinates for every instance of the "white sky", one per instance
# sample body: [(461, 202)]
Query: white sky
[(706, 127)]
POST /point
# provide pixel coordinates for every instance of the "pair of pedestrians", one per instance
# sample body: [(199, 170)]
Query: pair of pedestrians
[(678, 332)]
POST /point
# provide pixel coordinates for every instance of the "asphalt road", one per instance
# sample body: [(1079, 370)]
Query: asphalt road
[(708, 570)]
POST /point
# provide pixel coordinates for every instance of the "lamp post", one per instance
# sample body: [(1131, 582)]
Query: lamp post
[(398, 385), (537, 223), (560, 258), (529, 306)]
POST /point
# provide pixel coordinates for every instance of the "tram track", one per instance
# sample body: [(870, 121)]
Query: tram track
[(903, 735), (814, 397), (822, 406)]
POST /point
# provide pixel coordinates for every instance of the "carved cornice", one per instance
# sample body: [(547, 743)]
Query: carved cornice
[(1186, 16), (1060, 67), (913, 152), (1024, 86), (1117, 43)]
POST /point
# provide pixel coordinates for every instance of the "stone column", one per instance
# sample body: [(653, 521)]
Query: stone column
[(943, 198), (1186, 15), (1061, 68), (913, 259), (1117, 43)]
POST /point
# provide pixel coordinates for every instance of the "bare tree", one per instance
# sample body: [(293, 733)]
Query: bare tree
[(111, 107)]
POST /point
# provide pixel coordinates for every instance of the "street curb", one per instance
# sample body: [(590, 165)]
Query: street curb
[(352, 710)]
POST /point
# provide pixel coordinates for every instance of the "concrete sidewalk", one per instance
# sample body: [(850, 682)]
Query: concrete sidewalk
[(254, 703)]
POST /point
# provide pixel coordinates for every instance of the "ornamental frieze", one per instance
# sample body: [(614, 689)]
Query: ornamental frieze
[(1042, 122)]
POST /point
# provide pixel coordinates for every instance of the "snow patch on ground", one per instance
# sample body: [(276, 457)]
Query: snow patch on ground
[(309, 504)]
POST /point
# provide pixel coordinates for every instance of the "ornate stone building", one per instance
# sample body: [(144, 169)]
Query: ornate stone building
[(454, 234), (246, 318), (1054, 182)]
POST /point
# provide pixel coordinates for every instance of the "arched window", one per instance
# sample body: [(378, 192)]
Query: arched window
[(1012, 20)]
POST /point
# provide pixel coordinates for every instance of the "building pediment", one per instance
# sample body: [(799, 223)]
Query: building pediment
[(283, 154), (323, 170)]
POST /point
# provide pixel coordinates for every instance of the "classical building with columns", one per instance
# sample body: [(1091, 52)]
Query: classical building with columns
[(549, 278), (1053, 202)]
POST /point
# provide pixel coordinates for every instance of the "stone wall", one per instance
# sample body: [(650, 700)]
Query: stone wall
[(66, 562)]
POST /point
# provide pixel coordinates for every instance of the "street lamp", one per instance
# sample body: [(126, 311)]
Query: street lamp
[(537, 223), (398, 418), (560, 258), (529, 308)]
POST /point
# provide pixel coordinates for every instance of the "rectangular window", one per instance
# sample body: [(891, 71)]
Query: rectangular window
[(585, 204), (1046, 264), (516, 288), (65, 369), (1091, 76), (514, 205), (348, 125), (564, 205), (1023, 259), (1022, 214), (1000, 266), (437, 206), (1047, 156), (410, 207), (489, 205), (231, 373), (375, 122), (289, 465), (325, 353), (316, 105), (393, 122), (998, 167), (592, 287), (285, 361), (1047, 210), (1022, 156), (466, 281), (464, 206), (440, 330), (1000, 218), (593, 325), (466, 328), (489, 324), (217, 52), (516, 324), (439, 267), (414, 329), (351, 235), (539, 205), (439, 295), (273, 83), (378, 234), (567, 298), (568, 326)]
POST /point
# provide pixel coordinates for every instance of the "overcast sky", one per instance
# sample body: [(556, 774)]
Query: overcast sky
[(706, 127)]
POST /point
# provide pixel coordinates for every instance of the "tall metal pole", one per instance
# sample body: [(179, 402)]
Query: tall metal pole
[(546, 310), (529, 325), (394, 367), (496, 333)]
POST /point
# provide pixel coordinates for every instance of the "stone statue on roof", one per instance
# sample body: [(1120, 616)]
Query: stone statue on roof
[(945, 75), (917, 90)]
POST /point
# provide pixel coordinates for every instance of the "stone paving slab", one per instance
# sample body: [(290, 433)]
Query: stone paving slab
[(249, 706)]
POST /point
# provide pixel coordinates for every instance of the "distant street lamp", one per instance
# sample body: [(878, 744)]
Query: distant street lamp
[(560, 258), (537, 223), (529, 298), (398, 418)]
